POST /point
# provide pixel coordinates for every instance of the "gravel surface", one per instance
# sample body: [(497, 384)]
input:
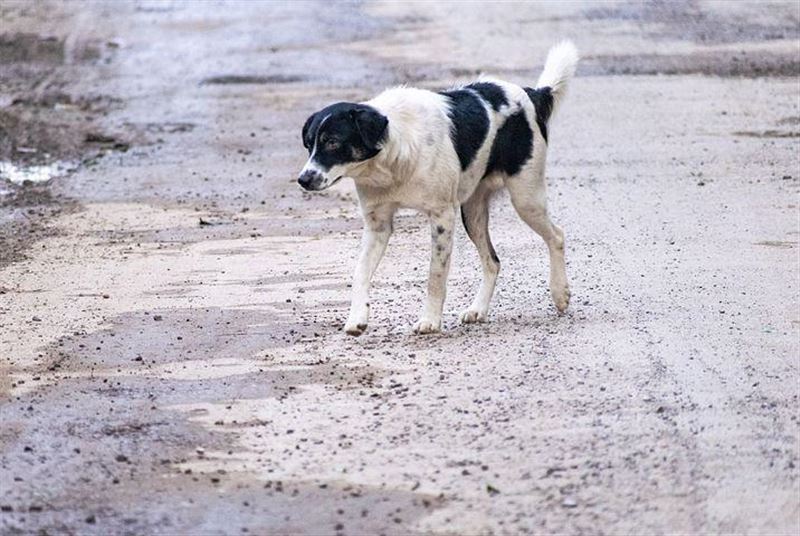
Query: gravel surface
[(172, 357)]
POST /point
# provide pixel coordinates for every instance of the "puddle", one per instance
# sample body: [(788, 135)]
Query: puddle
[(35, 174)]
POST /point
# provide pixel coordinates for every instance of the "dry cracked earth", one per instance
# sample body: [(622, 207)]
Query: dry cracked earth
[(172, 358)]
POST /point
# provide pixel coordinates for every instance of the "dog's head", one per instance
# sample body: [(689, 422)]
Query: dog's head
[(337, 137)]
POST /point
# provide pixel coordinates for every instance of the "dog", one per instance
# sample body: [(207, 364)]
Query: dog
[(438, 153)]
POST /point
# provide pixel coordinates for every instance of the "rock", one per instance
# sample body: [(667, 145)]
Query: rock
[(569, 502)]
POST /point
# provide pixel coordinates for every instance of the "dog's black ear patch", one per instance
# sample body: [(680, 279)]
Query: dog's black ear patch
[(491, 93), (371, 126), (512, 147), (309, 133), (470, 124), (542, 99)]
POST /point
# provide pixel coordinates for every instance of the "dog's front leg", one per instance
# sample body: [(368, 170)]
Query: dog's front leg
[(377, 230), (441, 247)]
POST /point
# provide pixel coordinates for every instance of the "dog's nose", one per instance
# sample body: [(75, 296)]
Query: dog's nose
[(308, 178)]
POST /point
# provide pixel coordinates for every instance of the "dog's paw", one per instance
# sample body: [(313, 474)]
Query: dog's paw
[(355, 329), (357, 320), (561, 297), (424, 327), (472, 316)]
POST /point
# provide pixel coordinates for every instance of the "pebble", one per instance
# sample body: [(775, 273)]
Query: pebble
[(569, 502)]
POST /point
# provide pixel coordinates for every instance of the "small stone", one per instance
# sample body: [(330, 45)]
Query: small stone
[(569, 502), (158, 318)]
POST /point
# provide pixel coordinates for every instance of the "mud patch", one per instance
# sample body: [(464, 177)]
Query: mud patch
[(743, 64), (253, 79), (137, 445), (46, 132), (162, 128), (766, 134), (780, 244), (230, 226), (148, 338), (36, 135), (791, 120), (24, 213), (106, 437), (686, 19)]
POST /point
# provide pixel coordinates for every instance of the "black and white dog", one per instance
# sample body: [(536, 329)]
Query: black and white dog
[(438, 152)]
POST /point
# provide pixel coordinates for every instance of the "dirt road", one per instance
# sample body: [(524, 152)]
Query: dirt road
[(171, 304)]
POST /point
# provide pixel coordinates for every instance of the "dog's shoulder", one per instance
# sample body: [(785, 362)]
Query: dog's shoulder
[(404, 100)]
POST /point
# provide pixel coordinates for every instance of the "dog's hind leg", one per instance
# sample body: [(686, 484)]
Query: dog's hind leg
[(475, 216), (529, 197), (442, 223), (377, 230)]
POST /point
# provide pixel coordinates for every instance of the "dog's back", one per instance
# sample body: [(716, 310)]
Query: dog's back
[(484, 130)]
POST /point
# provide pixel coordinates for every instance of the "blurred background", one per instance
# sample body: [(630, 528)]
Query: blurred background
[(171, 304)]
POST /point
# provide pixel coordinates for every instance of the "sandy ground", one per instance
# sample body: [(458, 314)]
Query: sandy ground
[(171, 350)]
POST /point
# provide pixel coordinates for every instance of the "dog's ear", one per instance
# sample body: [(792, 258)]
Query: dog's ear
[(308, 134), (371, 125)]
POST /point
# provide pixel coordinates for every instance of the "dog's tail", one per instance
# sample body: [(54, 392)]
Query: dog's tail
[(558, 70)]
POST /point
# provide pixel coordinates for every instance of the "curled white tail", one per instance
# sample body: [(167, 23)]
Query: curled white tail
[(558, 70)]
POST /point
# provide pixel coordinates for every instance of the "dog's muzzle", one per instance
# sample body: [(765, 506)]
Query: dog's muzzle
[(310, 179)]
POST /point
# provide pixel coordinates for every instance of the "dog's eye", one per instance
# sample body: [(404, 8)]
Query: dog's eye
[(331, 145)]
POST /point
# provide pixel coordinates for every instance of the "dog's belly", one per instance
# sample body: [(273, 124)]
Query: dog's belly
[(466, 187), (469, 183)]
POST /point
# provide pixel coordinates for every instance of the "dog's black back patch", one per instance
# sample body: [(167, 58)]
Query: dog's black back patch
[(491, 93), (542, 99), (512, 147), (470, 124)]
